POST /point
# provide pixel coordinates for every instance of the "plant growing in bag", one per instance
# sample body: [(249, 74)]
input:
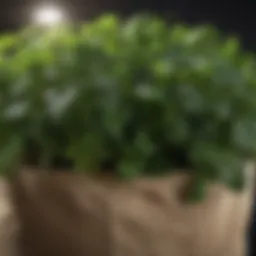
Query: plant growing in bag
[(138, 97)]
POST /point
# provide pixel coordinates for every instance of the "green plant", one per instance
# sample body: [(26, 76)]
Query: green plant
[(138, 96)]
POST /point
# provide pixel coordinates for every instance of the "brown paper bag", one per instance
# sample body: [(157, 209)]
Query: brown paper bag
[(68, 214)]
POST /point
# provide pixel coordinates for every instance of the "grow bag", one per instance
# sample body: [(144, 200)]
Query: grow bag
[(71, 214)]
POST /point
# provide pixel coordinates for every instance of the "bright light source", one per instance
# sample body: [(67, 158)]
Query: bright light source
[(48, 15)]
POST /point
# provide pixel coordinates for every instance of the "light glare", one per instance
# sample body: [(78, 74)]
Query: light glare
[(48, 15)]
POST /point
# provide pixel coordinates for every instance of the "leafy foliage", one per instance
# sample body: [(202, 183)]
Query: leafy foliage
[(139, 97)]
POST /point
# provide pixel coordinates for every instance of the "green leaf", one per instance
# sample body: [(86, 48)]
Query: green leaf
[(243, 134), (129, 170), (87, 152), (197, 192), (10, 155)]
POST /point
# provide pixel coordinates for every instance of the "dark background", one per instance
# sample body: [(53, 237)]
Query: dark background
[(237, 17)]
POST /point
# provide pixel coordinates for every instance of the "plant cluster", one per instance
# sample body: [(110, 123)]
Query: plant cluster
[(139, 97)]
